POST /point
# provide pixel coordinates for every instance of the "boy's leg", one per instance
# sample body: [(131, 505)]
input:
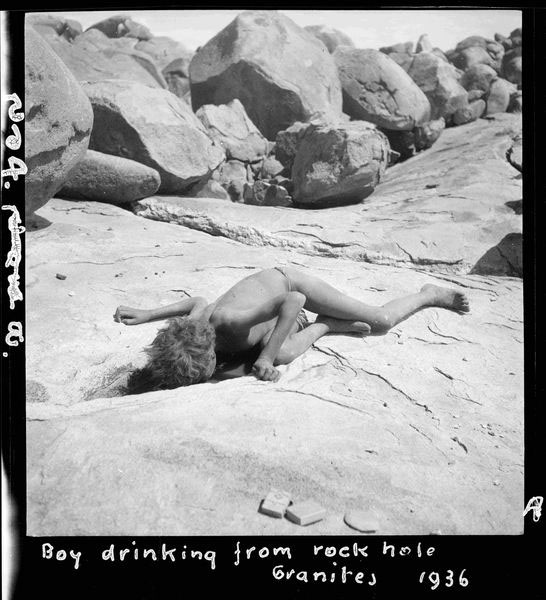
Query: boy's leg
[(299, 342), (326, 300)]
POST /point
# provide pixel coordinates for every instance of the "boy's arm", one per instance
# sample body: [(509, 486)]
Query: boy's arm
[(136, 316), (263, 367)]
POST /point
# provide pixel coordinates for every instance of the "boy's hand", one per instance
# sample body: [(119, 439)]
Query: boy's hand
[(131, 316), (263, 369)]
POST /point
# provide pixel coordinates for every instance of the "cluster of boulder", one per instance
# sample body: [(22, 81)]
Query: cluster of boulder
[(265, 113)]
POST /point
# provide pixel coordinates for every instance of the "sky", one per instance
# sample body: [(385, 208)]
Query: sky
[(367, 28)]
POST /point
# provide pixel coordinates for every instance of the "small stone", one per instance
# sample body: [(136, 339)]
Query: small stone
[(211, 189), (60, 276), (71, 294), (271, 167), (275, 503), (496, 482), (305, 513), (361, 521)]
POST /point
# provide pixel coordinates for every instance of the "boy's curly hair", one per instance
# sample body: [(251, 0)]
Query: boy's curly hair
[(182, 353)]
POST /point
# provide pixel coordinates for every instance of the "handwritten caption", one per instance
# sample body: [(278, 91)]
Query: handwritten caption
[(282, 557), (17, 168)]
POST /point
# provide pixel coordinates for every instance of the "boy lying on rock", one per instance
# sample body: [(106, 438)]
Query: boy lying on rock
[(259, 323)]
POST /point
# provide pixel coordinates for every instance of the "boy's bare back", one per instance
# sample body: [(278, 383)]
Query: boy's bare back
[(253, 290), (245, 296)]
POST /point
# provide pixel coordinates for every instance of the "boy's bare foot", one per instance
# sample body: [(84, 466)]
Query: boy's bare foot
[(446, 298), (342, 326)]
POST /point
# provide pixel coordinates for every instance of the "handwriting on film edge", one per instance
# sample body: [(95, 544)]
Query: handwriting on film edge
[(16, 168), (165, 552), (14, 255)]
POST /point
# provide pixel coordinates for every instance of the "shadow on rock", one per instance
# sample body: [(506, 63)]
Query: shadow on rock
[(34, 223), (114, 384), (503, 259), (515, 205)]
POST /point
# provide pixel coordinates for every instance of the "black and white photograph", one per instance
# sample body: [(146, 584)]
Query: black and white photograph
[(273, 272)]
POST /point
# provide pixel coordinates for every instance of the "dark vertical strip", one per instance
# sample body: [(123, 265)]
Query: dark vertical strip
[(13, 357), (534, 289)]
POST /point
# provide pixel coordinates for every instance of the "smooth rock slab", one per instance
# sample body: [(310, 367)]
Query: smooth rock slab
[(352, 423), (440, 210), (155, 128)]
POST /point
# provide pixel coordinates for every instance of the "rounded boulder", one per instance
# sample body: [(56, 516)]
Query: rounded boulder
[(478, 77), (230, 126), (339, 164), (155, 128), (58, 122), (330, 37), (106, 178), (438, 80), (512, 66), (122, 26), (499, 96), (378, 90), (279, 72)]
